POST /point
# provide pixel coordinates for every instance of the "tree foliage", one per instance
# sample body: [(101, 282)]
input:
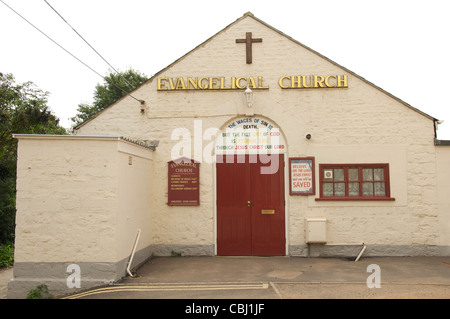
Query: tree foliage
[(23, 110), (113, 88)]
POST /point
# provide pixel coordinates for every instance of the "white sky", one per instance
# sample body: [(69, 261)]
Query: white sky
[(401, 46)]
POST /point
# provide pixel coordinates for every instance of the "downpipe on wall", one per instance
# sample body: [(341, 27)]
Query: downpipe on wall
[(361, 252), (132, 253)]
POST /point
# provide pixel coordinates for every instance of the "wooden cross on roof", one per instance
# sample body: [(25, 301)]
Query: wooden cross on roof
[(248, 45)]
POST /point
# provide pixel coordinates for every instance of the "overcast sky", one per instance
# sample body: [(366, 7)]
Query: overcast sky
[(401, 46)]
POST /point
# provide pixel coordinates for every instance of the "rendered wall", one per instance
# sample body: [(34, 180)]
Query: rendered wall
[(443, 180), (70, 210), (135, 178)]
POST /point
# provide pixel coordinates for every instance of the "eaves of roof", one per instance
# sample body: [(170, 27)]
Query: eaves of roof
[(84, 137)]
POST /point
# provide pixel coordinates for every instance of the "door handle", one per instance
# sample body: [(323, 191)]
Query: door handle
[(249, 203)]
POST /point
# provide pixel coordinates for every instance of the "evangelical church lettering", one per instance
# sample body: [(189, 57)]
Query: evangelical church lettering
[(210, 83), (241, 83), (313, 81)]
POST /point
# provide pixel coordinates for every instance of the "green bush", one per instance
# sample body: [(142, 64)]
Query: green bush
[(6, 255), (40, 292)]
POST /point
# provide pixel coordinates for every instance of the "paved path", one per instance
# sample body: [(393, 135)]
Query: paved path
[(5, 275), (276, 278), (283, 278)]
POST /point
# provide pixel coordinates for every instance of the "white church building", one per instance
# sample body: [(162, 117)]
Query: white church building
[(250, 144)]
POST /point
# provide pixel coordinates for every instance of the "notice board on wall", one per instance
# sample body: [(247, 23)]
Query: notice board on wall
[(301, 176), (184, 182)]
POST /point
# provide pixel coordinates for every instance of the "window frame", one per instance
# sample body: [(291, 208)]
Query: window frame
[(360, 197)]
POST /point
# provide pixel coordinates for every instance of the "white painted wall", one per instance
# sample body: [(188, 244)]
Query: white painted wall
[(358, 124), (78, 200)]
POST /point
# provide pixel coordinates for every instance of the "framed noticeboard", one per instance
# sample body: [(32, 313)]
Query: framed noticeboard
[(184, 182), (301, 176)]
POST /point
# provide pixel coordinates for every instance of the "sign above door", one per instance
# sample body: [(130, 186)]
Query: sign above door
[(250, 135)]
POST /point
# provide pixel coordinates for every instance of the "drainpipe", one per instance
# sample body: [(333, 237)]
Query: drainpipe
[(132, 253), (361, 252)]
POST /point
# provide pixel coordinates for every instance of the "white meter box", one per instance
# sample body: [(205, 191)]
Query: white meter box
[(316, 230)]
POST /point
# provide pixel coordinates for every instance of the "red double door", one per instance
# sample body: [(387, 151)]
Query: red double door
[(250, 205)]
